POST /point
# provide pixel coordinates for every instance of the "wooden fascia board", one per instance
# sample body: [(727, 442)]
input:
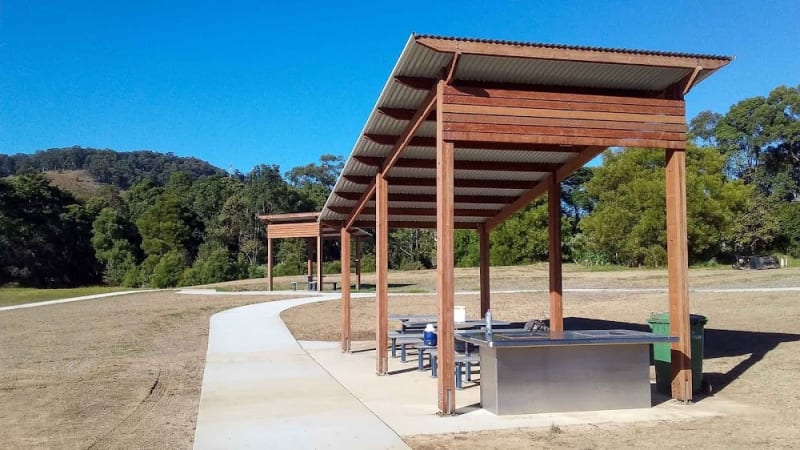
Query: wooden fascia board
[(563, 172), (570, 54)]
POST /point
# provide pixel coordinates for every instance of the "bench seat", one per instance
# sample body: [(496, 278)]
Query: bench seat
[(462, 361)]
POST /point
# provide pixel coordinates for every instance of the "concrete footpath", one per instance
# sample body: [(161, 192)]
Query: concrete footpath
[(262, 390)]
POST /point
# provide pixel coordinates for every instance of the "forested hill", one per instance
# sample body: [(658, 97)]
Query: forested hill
[(121, 169)]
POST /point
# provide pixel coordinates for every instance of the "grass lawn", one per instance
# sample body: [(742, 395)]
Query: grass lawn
[(16, 296)]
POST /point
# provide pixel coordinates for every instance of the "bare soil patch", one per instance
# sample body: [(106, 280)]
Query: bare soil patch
[(79, 182), (122, 372)]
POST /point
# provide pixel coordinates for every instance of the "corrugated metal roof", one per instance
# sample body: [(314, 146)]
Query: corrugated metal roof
[(567, 73), (417, 60), (575, 47)]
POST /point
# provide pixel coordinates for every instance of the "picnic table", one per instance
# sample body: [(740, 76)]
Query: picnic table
[(467, 324), (413, 317), (311, 284)]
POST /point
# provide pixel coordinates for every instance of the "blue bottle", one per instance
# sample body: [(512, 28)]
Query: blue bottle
[(429, 335)]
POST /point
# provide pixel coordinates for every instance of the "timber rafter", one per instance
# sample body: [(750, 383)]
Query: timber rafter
[(459, 183), (403, 140), (586, 155), (490, 166), (431, 198)]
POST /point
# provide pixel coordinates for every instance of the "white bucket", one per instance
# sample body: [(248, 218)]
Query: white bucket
[(460, 313)]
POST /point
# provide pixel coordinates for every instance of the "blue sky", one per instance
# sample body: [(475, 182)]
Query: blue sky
[(244, 83)]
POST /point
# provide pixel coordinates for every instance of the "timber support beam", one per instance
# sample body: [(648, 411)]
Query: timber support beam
[(678, 275)]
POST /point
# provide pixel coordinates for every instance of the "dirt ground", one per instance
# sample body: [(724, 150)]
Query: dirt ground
[(536, 277), (751, 357), (122, 372), (126, 372)]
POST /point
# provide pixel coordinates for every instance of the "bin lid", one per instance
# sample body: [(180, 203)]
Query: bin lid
[(663, 318)]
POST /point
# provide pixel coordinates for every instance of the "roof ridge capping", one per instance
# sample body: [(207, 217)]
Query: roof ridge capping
[(478, 46)]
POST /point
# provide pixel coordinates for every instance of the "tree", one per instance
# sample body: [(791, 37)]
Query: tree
[(522, 238), (168, 270), (44, 233), (140, 197), (213, 264), (411, 249), (575, 202), (210, 194), (115, 241), (788, 216), (169, 226), (628, 224), (316, 181), (467, 251), (761, 138), (703, 127)]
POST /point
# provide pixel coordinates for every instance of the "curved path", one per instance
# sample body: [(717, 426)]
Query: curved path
[(262, 390)]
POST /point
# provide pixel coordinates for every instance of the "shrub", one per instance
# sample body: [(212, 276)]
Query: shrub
[(282, 269), (168, 270), (256, 271), (332, 267), (133, 277), (367, 263)]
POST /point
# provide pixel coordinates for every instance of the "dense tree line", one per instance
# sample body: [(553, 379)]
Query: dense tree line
[(188, 230), (165, 221), (121, 169)]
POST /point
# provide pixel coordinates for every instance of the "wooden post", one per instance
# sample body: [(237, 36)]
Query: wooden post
[(345, 281), (483, 244), (319, 261), (382, 273), (678, 268), (554, 228), (269, 263), (358, 263), (445, 245), (310, 257)]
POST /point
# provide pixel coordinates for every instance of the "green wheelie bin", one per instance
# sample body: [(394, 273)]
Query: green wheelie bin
[(659, 323)]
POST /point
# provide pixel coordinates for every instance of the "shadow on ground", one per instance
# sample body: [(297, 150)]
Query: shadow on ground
[(371, 287), (718, 344)]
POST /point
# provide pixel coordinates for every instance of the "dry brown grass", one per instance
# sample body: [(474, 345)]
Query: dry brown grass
[(126, 372), (78, 182), (535, 277), (752, 348), (121, 372)]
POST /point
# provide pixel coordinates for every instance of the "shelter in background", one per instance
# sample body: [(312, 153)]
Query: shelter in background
[(305, 226)]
